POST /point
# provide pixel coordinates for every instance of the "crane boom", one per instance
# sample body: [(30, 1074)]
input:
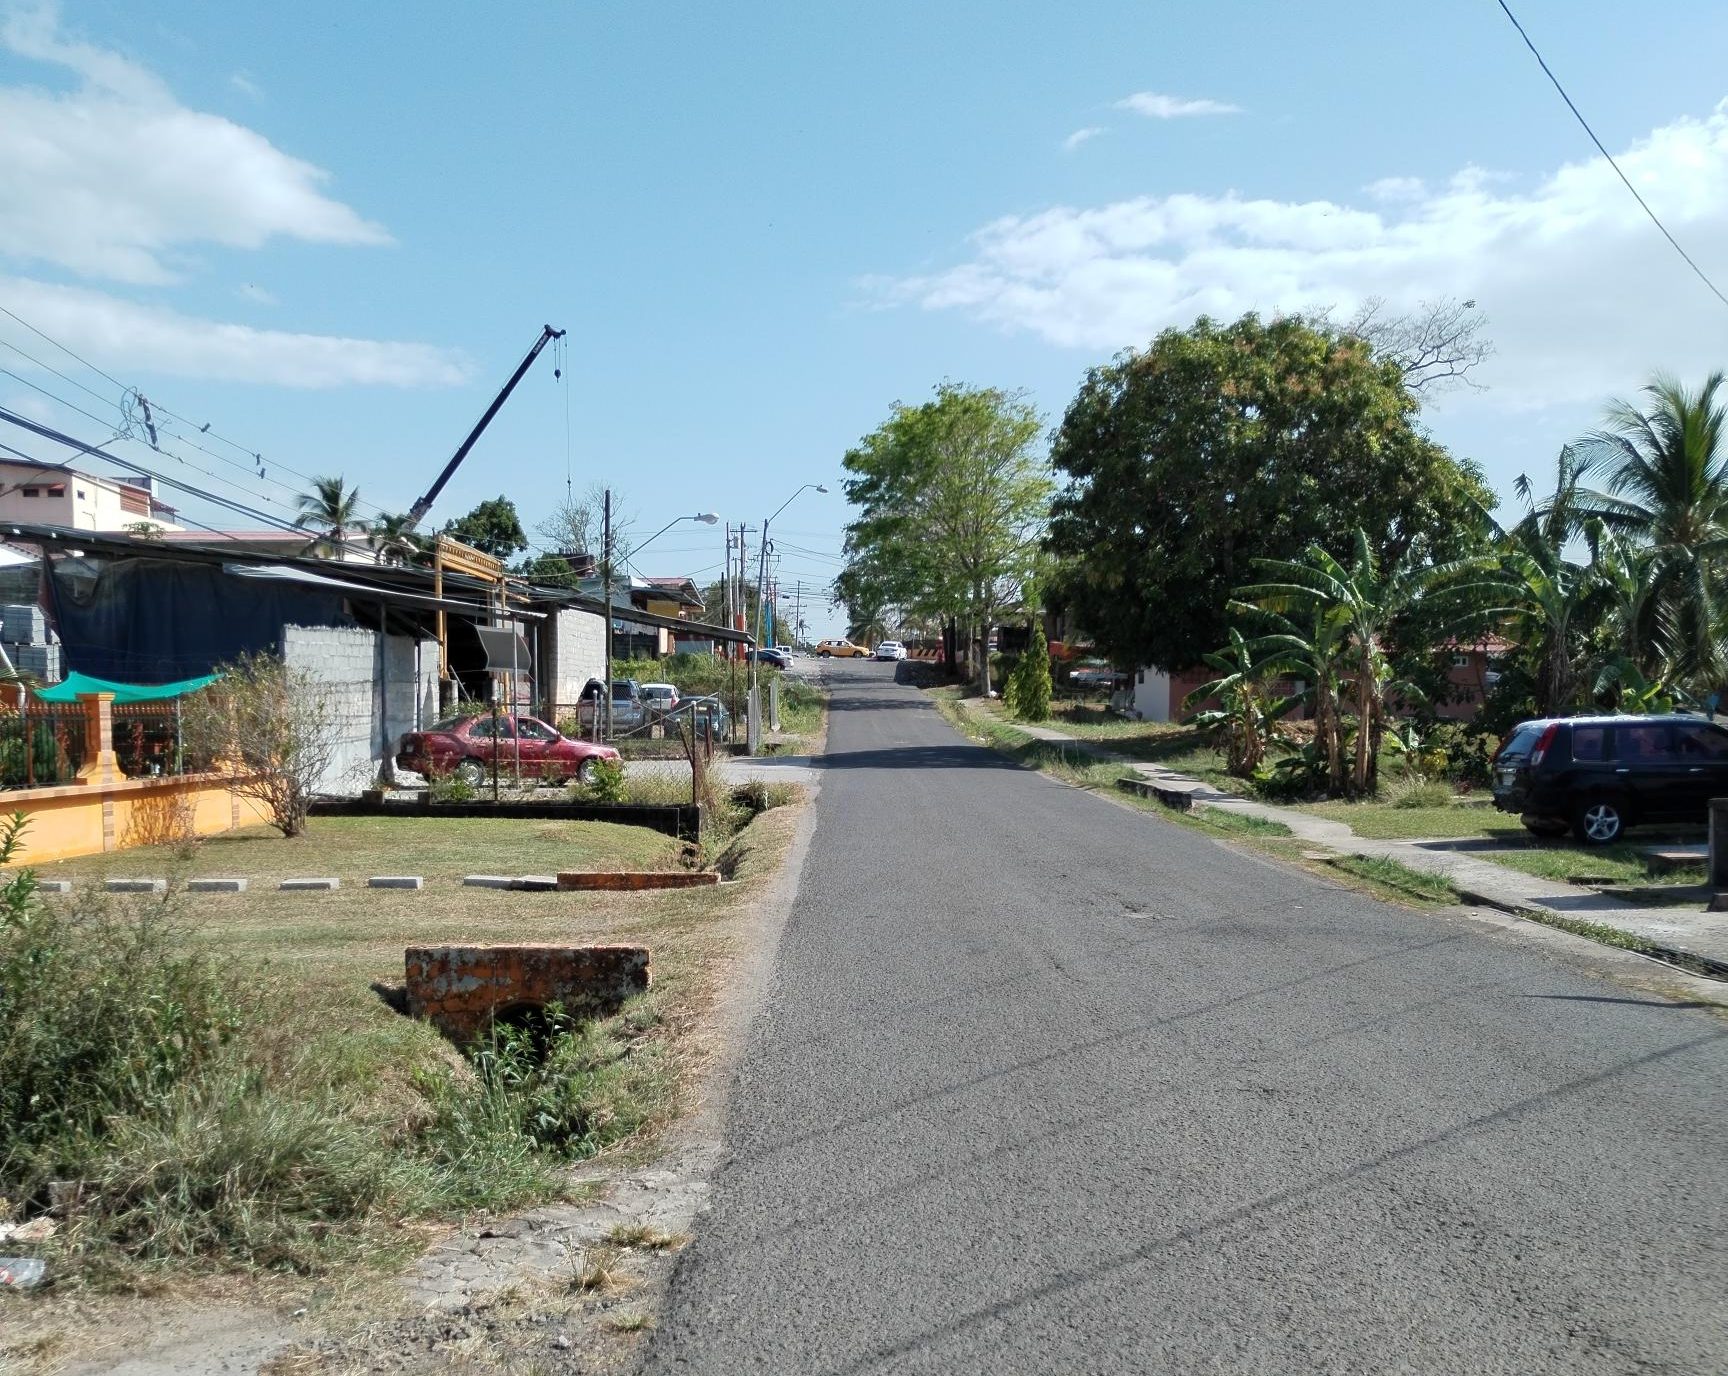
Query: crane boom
[(417, 512)]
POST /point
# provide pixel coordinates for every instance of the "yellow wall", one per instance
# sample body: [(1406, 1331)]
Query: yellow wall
[(88, 819)]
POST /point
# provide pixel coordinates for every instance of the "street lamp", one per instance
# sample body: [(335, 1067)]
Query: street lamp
[(755, 738), (707, 518)]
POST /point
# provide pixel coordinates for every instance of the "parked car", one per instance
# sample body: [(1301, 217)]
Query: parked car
[(841, 649), (1092, 674), (890, 649), (629, 711), (789, 651), (774, 657), (708, 710), (1600, 775), (466, 748), (659, 698)]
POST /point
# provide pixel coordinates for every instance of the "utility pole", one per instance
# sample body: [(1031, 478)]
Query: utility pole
[(726, 583), (606, 559)]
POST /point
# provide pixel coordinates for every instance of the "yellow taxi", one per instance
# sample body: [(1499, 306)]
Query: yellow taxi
[(841, 649)]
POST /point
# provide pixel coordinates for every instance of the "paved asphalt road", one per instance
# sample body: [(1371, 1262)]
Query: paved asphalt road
[(1044, 1085)]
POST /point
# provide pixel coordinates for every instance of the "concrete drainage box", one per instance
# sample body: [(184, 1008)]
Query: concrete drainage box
[(460, 990)]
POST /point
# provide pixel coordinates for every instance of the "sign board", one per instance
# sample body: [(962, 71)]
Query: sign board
[(460, 558), (506, 651)]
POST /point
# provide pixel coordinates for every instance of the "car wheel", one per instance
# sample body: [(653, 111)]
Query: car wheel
[(1598, 822), (470, 772), (822, 653), (585, 770)]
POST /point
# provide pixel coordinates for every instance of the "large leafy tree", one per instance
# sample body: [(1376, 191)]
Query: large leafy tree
[(1223, 445), (492, 527), (331, 510), (952, 498)]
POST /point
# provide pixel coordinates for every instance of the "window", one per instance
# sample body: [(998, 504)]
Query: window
[(58, 490), (1589, 744), (1645, 743), (484, 728), (1460, 661), (1702, 744), (32, 492), (531, 730), (80, 494)]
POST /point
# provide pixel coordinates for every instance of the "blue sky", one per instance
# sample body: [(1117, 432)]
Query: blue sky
[(331, 230)]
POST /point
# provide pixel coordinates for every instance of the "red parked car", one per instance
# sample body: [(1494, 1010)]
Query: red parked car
[(466, 746)]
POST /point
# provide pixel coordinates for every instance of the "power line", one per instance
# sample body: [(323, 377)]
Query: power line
[(133, 391), (121, 433), (1578, 115)]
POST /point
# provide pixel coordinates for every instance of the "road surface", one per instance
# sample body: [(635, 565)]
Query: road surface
[(1045, 1085)]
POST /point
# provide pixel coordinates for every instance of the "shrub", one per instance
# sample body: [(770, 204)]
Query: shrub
[(1415, 793), (1028, 688), (447, 788), (278, 726), (605, 782)]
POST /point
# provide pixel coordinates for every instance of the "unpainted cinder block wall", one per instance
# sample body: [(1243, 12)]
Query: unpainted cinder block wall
[(460, 988), (379, 687)]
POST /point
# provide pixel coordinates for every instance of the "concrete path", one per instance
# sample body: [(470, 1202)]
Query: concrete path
[(1043, 1085), (1691, 930)]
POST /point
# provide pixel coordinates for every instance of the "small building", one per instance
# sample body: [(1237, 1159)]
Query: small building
[(53, 494)]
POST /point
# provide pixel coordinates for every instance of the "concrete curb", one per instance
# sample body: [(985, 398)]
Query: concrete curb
[(299, 884), (216, 886), (581, 882)]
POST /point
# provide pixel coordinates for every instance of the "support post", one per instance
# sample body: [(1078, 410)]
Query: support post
[(1718, 855), (100, 763)]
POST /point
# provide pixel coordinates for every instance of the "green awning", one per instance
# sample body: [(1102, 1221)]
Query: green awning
[(76, 683)]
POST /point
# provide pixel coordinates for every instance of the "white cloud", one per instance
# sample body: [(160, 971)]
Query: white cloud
[(246, 86), (1156, 106), (1582, 295), (251, 291), (1080, 136), (115, 333), (116, 179)]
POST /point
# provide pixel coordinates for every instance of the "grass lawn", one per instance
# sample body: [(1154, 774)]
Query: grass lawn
[(1605, 867), (1386, 822)]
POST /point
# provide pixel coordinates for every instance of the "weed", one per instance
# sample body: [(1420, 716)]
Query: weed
[(1398, 877), (596, 1271), (641, 1235), (634, 1322)]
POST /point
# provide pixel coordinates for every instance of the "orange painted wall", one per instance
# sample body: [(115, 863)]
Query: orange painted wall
[(76, 819)]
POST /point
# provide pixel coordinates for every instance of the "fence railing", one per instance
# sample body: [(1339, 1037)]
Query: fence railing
[(150, 740), (42, 744)]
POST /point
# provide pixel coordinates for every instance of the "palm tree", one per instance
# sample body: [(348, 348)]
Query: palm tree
[(1668, 489), (332, 509), (394, 539)]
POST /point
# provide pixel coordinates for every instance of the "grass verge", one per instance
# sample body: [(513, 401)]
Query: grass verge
[(1397, 879), (210, 1083)]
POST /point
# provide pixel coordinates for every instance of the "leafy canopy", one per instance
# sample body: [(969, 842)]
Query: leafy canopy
[(493, 527), (1224, 445)]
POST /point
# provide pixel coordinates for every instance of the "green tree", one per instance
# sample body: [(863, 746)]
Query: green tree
[(1668, 489), (952, 500), (394, 539), (1027, 693), (331, 510), (493, 527), (1248, 708), (1222, 445)]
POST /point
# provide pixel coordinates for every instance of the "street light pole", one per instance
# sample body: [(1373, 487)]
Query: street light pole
[(754, 741), (707, 518)]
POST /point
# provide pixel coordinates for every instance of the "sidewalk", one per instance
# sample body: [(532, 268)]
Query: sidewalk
[(1690, 931)]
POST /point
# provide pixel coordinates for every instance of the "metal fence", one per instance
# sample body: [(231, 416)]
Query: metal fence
[(150, 740), (41, 744)]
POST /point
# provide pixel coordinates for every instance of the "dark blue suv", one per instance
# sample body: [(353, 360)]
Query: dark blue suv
[(1600, 775)]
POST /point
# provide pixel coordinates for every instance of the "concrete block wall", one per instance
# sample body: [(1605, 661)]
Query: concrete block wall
[(379, 688), (579, 655)]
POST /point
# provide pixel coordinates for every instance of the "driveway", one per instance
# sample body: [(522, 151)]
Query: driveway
[(1046, 1085)]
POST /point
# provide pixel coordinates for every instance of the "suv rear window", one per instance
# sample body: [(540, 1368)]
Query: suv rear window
[(1522, 741)]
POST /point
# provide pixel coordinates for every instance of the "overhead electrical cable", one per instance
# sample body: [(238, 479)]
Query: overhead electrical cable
[(1585, 124)]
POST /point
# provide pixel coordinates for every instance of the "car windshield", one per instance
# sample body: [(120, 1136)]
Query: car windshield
[(448, 724)]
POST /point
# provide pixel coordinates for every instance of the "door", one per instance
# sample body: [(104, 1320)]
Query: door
[(1646, 763), (539, 746), (495, 739), (1703, 750)]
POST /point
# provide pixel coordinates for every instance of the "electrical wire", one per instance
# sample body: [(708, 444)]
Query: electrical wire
[(1585, 124)]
